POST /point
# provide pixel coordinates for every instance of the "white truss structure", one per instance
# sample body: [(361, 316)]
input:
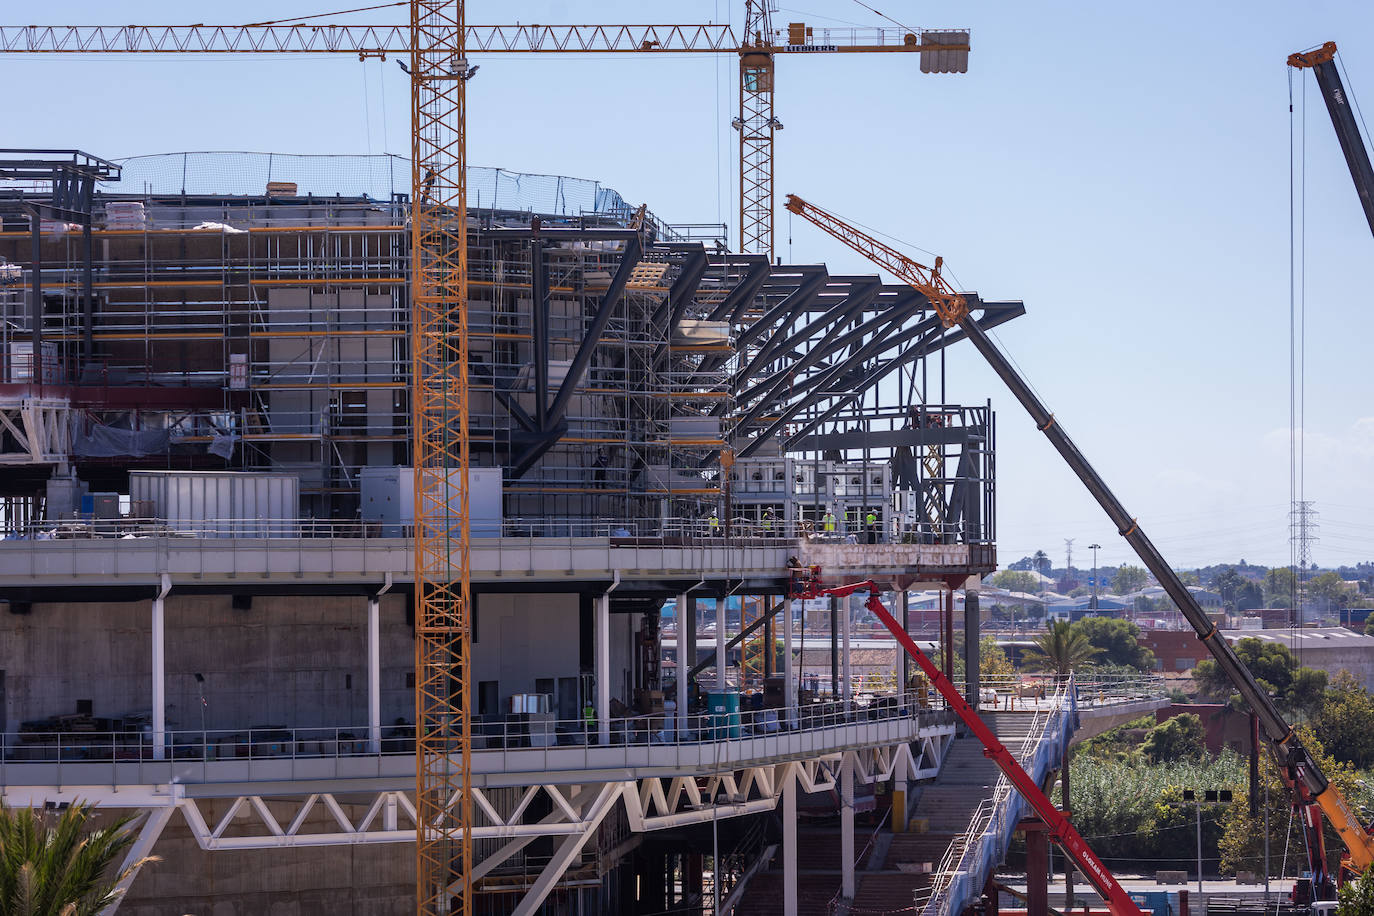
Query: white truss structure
[(41, 427), (576, 810)]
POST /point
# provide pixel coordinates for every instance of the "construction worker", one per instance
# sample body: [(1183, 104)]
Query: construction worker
[(768, 522), (589, 720), (871, 523), (713, 524), (828, 523)]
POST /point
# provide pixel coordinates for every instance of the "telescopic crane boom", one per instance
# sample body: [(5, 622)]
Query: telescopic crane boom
[(807, 585), (1299, 768), (1322, 63)]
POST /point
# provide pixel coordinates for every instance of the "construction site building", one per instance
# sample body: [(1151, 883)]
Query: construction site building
[(206, 505)]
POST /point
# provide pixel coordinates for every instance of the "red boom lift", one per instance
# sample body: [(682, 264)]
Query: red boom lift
[(807, 584)]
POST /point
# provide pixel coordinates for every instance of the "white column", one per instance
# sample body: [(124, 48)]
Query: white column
[(374, 674), (684, 663), (721, 667), (846, 687), (847, 827), (789, 843), (603, 669), (159, 680), (789, 679), (899, 787)]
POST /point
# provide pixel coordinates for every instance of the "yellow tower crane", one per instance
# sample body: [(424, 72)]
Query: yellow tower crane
[(941, 51), (437, 42)]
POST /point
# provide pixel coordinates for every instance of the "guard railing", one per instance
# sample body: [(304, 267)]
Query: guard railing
[(488, 733)]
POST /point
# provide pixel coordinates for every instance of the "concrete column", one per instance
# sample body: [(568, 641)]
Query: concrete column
[(847, 827), (683, 661), (374, 675), (789, 689), (789, 843), (721, 667), (899, 789), (846, 686), (971, 637), (603, 669), (159, 678)]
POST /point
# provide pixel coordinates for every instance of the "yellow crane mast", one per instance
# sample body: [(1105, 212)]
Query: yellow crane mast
[(439, 345)]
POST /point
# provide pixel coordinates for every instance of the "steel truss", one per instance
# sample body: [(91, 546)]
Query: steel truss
[(40, 427), (575, 811)]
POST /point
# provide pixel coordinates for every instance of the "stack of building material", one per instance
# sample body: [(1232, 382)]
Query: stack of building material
[(125, 214)]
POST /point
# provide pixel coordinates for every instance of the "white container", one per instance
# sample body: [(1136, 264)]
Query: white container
[(221, 504), (388, 499)]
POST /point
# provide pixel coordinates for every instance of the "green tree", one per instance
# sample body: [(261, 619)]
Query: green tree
[(1129, 579), (1182, 737), (1062, 649), (1041, 562), (60, 868), (1249, 596), (1307, 691), (1242, 844), (1356, 898), (1227, 583), (1329, 588), (1369, 625), (1346, 721), (1272, 665), (1016, 581), (992, 661), (1279, 584), (1189, 577), (1118, 640)]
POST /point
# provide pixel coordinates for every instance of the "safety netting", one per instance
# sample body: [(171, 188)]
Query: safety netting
[(377, 177)]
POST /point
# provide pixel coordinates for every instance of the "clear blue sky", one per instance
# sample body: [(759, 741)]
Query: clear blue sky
[(1122, 168)]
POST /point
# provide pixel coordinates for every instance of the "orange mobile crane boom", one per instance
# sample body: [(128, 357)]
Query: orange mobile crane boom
[(1312, 791), (807, 585)]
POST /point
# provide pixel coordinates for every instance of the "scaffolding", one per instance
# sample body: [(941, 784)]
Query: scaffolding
[(251, 312)]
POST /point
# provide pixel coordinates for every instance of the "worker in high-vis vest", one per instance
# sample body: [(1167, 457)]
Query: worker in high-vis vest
[(871, 523), (829, 523), (713, 524), (768, 519)]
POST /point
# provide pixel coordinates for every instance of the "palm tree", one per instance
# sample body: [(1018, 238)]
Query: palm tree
[(60, 869), (1041, 562), (1062, 649)]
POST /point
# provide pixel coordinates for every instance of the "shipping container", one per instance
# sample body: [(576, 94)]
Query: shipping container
[(221, 504)]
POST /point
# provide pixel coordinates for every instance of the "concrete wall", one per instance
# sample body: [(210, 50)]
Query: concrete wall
[(284, 661), (524, 638), (363, 880)]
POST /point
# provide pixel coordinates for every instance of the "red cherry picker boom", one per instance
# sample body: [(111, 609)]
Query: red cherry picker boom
[(806, 584), (1313, 795)]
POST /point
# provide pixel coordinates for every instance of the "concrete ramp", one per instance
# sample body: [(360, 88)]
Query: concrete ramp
[(1095, 720)]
